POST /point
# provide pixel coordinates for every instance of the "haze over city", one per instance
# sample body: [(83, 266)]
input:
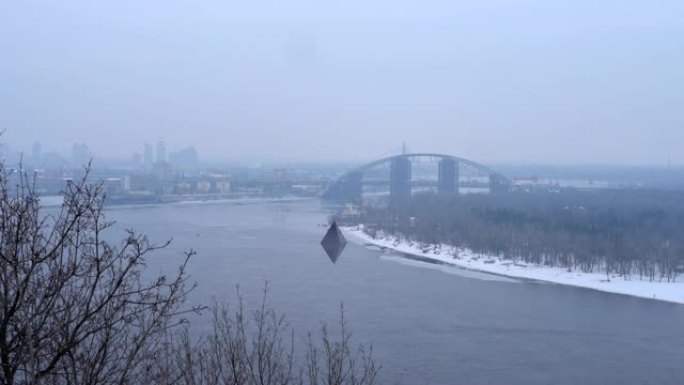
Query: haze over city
[(341, 192), (500, 81)]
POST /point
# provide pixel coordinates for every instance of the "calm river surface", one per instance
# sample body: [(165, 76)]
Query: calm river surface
[(428, 324)]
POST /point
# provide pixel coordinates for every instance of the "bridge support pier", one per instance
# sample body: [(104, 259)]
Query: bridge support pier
[(400, 181), (497, 185), (349, 189), (447, 177)]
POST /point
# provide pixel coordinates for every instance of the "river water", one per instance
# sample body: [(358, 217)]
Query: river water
[(429, 324)]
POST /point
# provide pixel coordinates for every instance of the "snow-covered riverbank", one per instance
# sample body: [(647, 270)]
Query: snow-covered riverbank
[(663, 291)]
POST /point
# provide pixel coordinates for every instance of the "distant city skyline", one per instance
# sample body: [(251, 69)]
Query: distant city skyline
[(146, 154), (579, 82), (80, 153)]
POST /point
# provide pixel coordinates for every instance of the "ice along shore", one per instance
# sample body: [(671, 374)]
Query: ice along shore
[(656, 290)]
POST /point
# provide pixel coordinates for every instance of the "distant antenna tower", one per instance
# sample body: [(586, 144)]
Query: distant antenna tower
[(403, 148)]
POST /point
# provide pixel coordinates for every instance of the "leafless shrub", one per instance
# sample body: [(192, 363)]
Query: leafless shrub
[(336, 361), (250, 348), (75, 309)]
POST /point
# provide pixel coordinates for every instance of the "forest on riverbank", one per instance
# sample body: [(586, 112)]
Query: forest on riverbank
[(633, 234)]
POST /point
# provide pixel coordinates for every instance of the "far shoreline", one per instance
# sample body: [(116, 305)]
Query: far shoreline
[(49, 201)]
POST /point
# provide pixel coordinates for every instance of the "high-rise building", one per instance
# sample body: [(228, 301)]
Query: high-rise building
[(184, 159), (148, 156), (79, 155), (136, 160), (4, 151), (37, 155), (161, 151)]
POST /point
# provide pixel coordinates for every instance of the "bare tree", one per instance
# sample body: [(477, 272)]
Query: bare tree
[(336, 361), (258, 348), (73, 307)]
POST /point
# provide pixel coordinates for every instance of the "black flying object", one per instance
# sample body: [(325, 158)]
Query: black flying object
[(333, 242)]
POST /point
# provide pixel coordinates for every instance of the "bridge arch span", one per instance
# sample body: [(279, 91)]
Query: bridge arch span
[(349, 187)]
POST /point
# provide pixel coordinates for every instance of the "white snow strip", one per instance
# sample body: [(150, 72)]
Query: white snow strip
[(447, 268), (662, 291)]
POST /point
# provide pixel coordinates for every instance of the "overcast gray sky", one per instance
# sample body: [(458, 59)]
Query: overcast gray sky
[(496, 81)]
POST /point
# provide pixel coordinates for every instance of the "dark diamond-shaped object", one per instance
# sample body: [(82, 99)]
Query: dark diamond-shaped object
[(333, 243)]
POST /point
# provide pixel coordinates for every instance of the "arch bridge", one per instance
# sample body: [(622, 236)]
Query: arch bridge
[(349, 187)]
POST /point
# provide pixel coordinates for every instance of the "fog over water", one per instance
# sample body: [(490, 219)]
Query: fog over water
[(429, 324), (496, 81), (537, 144)]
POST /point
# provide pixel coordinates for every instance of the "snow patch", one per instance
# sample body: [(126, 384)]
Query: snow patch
[(662, 291)]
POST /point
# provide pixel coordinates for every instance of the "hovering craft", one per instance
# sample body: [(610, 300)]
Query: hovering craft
[(333, 242)]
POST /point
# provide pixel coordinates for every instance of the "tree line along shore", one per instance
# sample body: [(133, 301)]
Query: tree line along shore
[(632, 234)]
